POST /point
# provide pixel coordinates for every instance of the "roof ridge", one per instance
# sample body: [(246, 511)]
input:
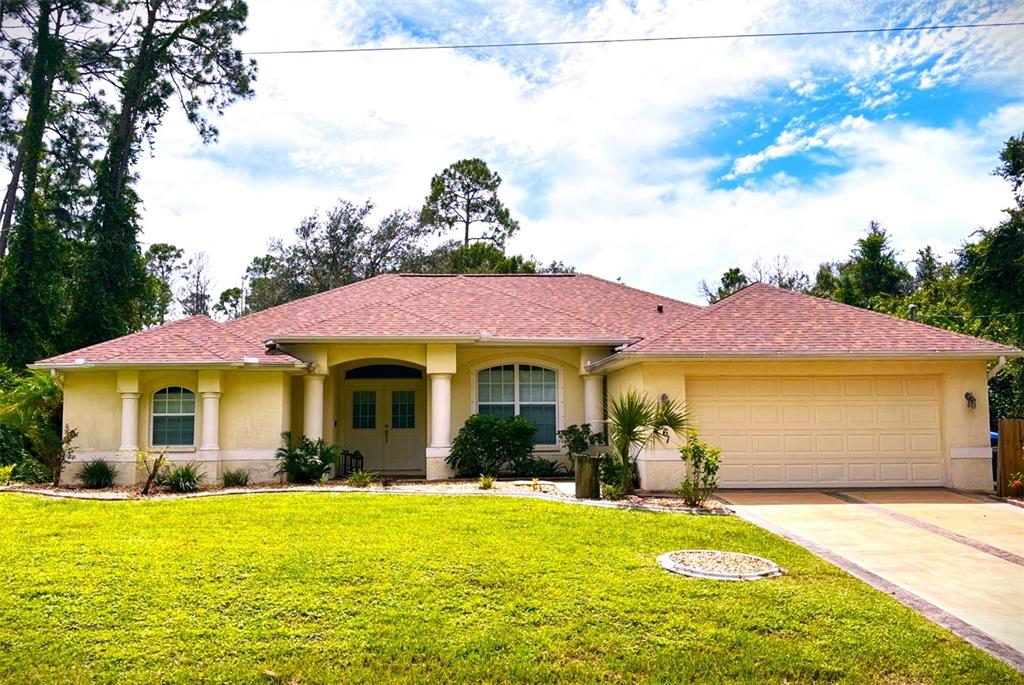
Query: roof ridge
[(311, 296), (641, 290), (389, 302), (555, 309)]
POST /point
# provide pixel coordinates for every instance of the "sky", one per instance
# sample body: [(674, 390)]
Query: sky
[(659, 164)]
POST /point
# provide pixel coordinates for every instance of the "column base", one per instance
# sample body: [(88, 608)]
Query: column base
[(437, 469)]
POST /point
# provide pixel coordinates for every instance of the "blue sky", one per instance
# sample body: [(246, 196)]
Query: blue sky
[(660, 163)]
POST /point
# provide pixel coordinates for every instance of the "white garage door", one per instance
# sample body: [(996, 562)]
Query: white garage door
[(821, 430)]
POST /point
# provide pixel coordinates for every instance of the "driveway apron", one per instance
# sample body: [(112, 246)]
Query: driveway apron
[(961, 554)]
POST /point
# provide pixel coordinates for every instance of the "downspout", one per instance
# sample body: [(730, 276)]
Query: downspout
[(995, 370)]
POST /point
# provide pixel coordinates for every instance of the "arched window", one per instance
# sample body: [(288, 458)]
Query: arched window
[(521, 390), (174, 417)]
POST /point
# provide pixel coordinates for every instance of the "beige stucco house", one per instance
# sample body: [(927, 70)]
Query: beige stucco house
[(797, 391)]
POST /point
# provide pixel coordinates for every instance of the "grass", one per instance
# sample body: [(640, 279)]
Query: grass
[(400, 588)]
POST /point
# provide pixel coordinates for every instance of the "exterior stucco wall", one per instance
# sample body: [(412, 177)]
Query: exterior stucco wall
[(254, 410)]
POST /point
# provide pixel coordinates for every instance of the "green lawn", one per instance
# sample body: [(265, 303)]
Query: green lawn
[(361, 588)]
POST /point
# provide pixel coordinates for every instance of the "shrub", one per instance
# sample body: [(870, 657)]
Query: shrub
[(153, 464), (185, 477), (31, 471), (577, 440), (486, 482), (97, 473), (305, 460), (701, 470), (540, 468), (610, 471), (486, 444), (359, 479), (235, 478), (612, 491), (5, 474)]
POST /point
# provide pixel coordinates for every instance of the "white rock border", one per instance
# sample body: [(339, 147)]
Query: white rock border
[(667, 563)]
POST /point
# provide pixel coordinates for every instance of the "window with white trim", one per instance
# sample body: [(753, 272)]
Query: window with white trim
[(521, 390), (174, 417)]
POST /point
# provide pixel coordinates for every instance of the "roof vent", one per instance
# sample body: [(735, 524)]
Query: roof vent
[(661, 309)]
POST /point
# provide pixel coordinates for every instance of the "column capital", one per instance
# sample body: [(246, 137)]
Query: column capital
[(131, 395), (315, 376), (440, 375), (211, 394)]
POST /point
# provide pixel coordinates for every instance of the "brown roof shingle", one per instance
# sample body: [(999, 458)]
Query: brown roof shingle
[(758, 320), (762, 319)]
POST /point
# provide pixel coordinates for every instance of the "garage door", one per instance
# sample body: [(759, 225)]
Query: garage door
[(821, 430)]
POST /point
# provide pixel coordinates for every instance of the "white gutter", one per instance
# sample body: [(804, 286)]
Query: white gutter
[(995, 370), (634, 357)]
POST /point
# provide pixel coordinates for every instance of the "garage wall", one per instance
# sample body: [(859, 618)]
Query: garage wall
[(870, 422)]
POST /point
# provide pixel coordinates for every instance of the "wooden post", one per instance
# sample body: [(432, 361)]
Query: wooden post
[(588, 483), (1011, 453)]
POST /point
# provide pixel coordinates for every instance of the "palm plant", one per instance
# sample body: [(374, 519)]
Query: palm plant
[(32, 405), (637, 421)]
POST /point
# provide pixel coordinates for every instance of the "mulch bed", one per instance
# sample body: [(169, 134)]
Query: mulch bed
[(527, 488)]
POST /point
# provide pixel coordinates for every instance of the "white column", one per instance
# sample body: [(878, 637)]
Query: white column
[(211, 421), (440, 426), (129, 421), (593, 402), (440, 410), (313, 406)]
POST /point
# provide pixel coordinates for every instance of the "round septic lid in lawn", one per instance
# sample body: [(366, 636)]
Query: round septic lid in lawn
[(709, 563)]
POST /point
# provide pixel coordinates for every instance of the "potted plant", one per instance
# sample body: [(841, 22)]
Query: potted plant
[(1016, 484)]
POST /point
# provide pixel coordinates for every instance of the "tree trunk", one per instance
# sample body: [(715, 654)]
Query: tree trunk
[(588, 484), (30, 148)]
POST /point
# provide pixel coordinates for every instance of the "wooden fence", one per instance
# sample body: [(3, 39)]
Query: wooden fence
[(1011, 453)]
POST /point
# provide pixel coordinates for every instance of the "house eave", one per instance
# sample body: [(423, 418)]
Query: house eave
[(198, 365), (627, 358)]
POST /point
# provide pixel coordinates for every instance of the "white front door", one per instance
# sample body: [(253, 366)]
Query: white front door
[(386, 423)]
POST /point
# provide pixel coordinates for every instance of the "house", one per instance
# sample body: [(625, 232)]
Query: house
[(797, 391)]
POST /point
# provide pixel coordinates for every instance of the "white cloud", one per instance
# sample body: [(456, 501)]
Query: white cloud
[(600, 146)]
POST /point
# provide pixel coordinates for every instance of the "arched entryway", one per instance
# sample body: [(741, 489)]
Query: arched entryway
[(382, 413)]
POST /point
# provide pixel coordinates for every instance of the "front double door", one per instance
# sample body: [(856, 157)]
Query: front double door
[(386, 423)]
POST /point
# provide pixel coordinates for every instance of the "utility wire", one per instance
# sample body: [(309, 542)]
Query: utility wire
[(651, 39)]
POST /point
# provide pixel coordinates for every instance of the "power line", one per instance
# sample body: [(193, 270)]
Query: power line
[(650, 39)]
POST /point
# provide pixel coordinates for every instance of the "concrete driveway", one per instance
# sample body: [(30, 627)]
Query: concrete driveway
[(956, 558)]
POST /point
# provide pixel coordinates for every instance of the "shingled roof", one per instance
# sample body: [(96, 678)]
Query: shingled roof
[(762, 319), (571, 308)]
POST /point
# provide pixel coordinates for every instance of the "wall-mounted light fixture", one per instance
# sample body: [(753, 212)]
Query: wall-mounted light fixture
[(972, 401)]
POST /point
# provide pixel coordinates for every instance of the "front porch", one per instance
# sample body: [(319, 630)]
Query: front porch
[(401, 405)]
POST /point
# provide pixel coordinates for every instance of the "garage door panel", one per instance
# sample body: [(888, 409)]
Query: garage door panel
[(805, 431), (829, 413), (764, 414), (863, 473), (827, 387)]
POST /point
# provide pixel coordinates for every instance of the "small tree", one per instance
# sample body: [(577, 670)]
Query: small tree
[(487, 444), (637, 421), (701, 470)]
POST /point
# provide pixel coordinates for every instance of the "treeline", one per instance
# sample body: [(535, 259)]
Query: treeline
[(345, 244), (84, 86), (979, 291)]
